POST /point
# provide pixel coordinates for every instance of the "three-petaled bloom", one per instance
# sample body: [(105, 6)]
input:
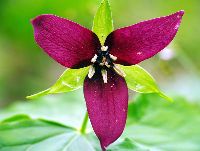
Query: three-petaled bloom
[(105, 89)]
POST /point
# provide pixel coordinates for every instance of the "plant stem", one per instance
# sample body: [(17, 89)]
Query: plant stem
[(84, 124)]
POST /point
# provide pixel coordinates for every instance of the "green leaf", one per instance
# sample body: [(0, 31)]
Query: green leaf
[(16, 118), (163, 126), (35, 135), (103, 23), (126, 145), (70, 80), (141, 81), (62, 108)]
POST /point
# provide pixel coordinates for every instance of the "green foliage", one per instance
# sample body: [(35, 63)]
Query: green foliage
[(152, 125), (163, 126), (141, 81), (34, 135), (103, 23), (70, 80), (62, 108)]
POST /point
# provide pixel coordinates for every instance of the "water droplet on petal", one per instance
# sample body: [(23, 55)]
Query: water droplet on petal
[(178, 16), (139, 53), (112, 85)]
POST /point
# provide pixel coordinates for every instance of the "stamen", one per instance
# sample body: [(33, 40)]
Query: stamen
[(119, 70), (104, 48), (102, 61), (113, 57), (104, 75), (91, 72), (94, 59), (107, 65), (101, 64)]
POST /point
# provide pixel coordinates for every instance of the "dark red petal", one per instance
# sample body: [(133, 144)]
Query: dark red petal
[(68, 43), (107, 106), (141, 41)]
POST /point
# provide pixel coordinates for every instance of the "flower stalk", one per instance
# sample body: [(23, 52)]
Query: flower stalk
[(84, 124)]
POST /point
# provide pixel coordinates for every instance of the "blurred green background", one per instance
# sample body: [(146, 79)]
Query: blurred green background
[(25, 69)]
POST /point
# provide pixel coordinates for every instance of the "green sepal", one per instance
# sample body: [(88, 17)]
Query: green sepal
[(139, 80), (103, 22), (70, 80)]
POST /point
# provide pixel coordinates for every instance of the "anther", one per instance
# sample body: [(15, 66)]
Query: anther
[(101, 64), (104, 48), (94, 59), (118, 70), (107, 65), (104, 75), (91, 71), (113, 57)]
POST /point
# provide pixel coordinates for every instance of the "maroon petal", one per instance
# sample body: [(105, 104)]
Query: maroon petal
[(68, 43), (141, 41), (107, 106)]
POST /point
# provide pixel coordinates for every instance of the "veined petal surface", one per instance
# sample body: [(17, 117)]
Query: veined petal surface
[(67, 42), (107, 105), (141, 41)]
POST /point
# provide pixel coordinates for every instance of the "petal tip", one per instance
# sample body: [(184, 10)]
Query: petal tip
[(39, 19), (180, 13), (103, 147), (36, 20)]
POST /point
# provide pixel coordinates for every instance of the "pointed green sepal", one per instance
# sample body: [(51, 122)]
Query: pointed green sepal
[(141, 81), (70, 80), (103, 22)]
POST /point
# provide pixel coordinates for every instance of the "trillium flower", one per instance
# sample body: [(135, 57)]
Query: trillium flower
[(105, 89)]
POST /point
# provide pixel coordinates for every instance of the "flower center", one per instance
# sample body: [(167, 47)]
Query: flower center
[(102, 61)]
